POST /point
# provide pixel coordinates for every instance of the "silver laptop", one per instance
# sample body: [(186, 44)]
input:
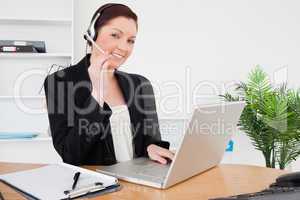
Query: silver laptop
[(201, 148)]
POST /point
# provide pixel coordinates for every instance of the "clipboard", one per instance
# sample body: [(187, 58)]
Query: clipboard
[(107, 190), (51, 181)]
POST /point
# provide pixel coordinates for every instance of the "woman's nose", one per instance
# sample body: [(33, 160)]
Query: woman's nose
[(123, 45)]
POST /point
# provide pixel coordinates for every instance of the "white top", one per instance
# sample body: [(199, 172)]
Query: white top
[(121, 133)]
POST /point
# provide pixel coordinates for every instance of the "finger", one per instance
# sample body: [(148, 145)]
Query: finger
[(173, 151), (166, 153), (105, 65), (99, 60), (160, 159)]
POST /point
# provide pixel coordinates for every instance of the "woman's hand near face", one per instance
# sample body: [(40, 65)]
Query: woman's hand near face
[(159, 154), (98, 71)]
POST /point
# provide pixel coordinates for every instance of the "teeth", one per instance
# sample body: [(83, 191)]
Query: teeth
[(117, 55)]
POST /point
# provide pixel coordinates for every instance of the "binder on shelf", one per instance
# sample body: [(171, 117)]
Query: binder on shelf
[(18, 135), (20, 46), (55, 182), (18, 49)]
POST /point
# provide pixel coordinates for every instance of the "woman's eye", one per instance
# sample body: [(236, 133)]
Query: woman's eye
[(131, 41), (114, 35)]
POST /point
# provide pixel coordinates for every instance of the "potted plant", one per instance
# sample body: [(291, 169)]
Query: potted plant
[(271, 118)]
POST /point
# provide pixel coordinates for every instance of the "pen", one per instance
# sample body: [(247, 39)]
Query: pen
[(83, 189), (76, 177), (1, 196), (86, 190)]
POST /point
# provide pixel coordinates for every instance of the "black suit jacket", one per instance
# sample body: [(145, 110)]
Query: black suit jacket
[(80, 127)]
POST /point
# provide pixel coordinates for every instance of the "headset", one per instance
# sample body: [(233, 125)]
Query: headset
[(91, 34)]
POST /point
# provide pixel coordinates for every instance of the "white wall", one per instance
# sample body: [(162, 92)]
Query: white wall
[(208, 44), (219, 41)]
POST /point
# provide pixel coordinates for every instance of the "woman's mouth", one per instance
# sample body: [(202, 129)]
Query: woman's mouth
[(118, 55)]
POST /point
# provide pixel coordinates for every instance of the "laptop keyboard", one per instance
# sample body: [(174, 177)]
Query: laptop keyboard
[(150, 169), (141, 168), (153, 170)]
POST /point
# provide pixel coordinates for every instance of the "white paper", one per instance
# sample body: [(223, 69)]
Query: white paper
[(51, 181)]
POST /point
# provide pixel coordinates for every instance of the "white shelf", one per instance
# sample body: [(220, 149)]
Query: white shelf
[(32, 21), (35, 55), (26, 107), (22, 97), (36, 139)]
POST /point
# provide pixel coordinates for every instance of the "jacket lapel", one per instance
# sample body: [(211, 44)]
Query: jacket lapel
[(127, 85)]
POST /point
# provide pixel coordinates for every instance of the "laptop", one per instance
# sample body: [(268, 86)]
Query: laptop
[(201, 148)]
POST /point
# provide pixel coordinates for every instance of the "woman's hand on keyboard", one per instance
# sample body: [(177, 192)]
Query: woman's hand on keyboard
[(159, 154)]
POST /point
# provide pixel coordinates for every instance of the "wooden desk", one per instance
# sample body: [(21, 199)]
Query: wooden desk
[(224, 180)]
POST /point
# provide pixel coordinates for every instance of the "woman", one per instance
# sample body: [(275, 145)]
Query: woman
[(99, 115)]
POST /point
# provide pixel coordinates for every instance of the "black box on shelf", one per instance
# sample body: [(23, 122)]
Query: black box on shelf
[(17, 49), (21, 46)]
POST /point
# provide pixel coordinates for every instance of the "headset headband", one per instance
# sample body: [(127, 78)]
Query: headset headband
[(91, 29)]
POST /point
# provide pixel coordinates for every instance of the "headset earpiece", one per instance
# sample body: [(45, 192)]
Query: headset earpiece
[(91, 29)]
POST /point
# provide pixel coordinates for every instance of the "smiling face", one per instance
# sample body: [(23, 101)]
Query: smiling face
[(117, 37)]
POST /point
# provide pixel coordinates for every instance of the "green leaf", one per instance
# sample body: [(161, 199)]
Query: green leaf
[(271, 117)]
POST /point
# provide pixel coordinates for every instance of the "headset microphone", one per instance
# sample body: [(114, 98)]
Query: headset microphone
[(88, 38)]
